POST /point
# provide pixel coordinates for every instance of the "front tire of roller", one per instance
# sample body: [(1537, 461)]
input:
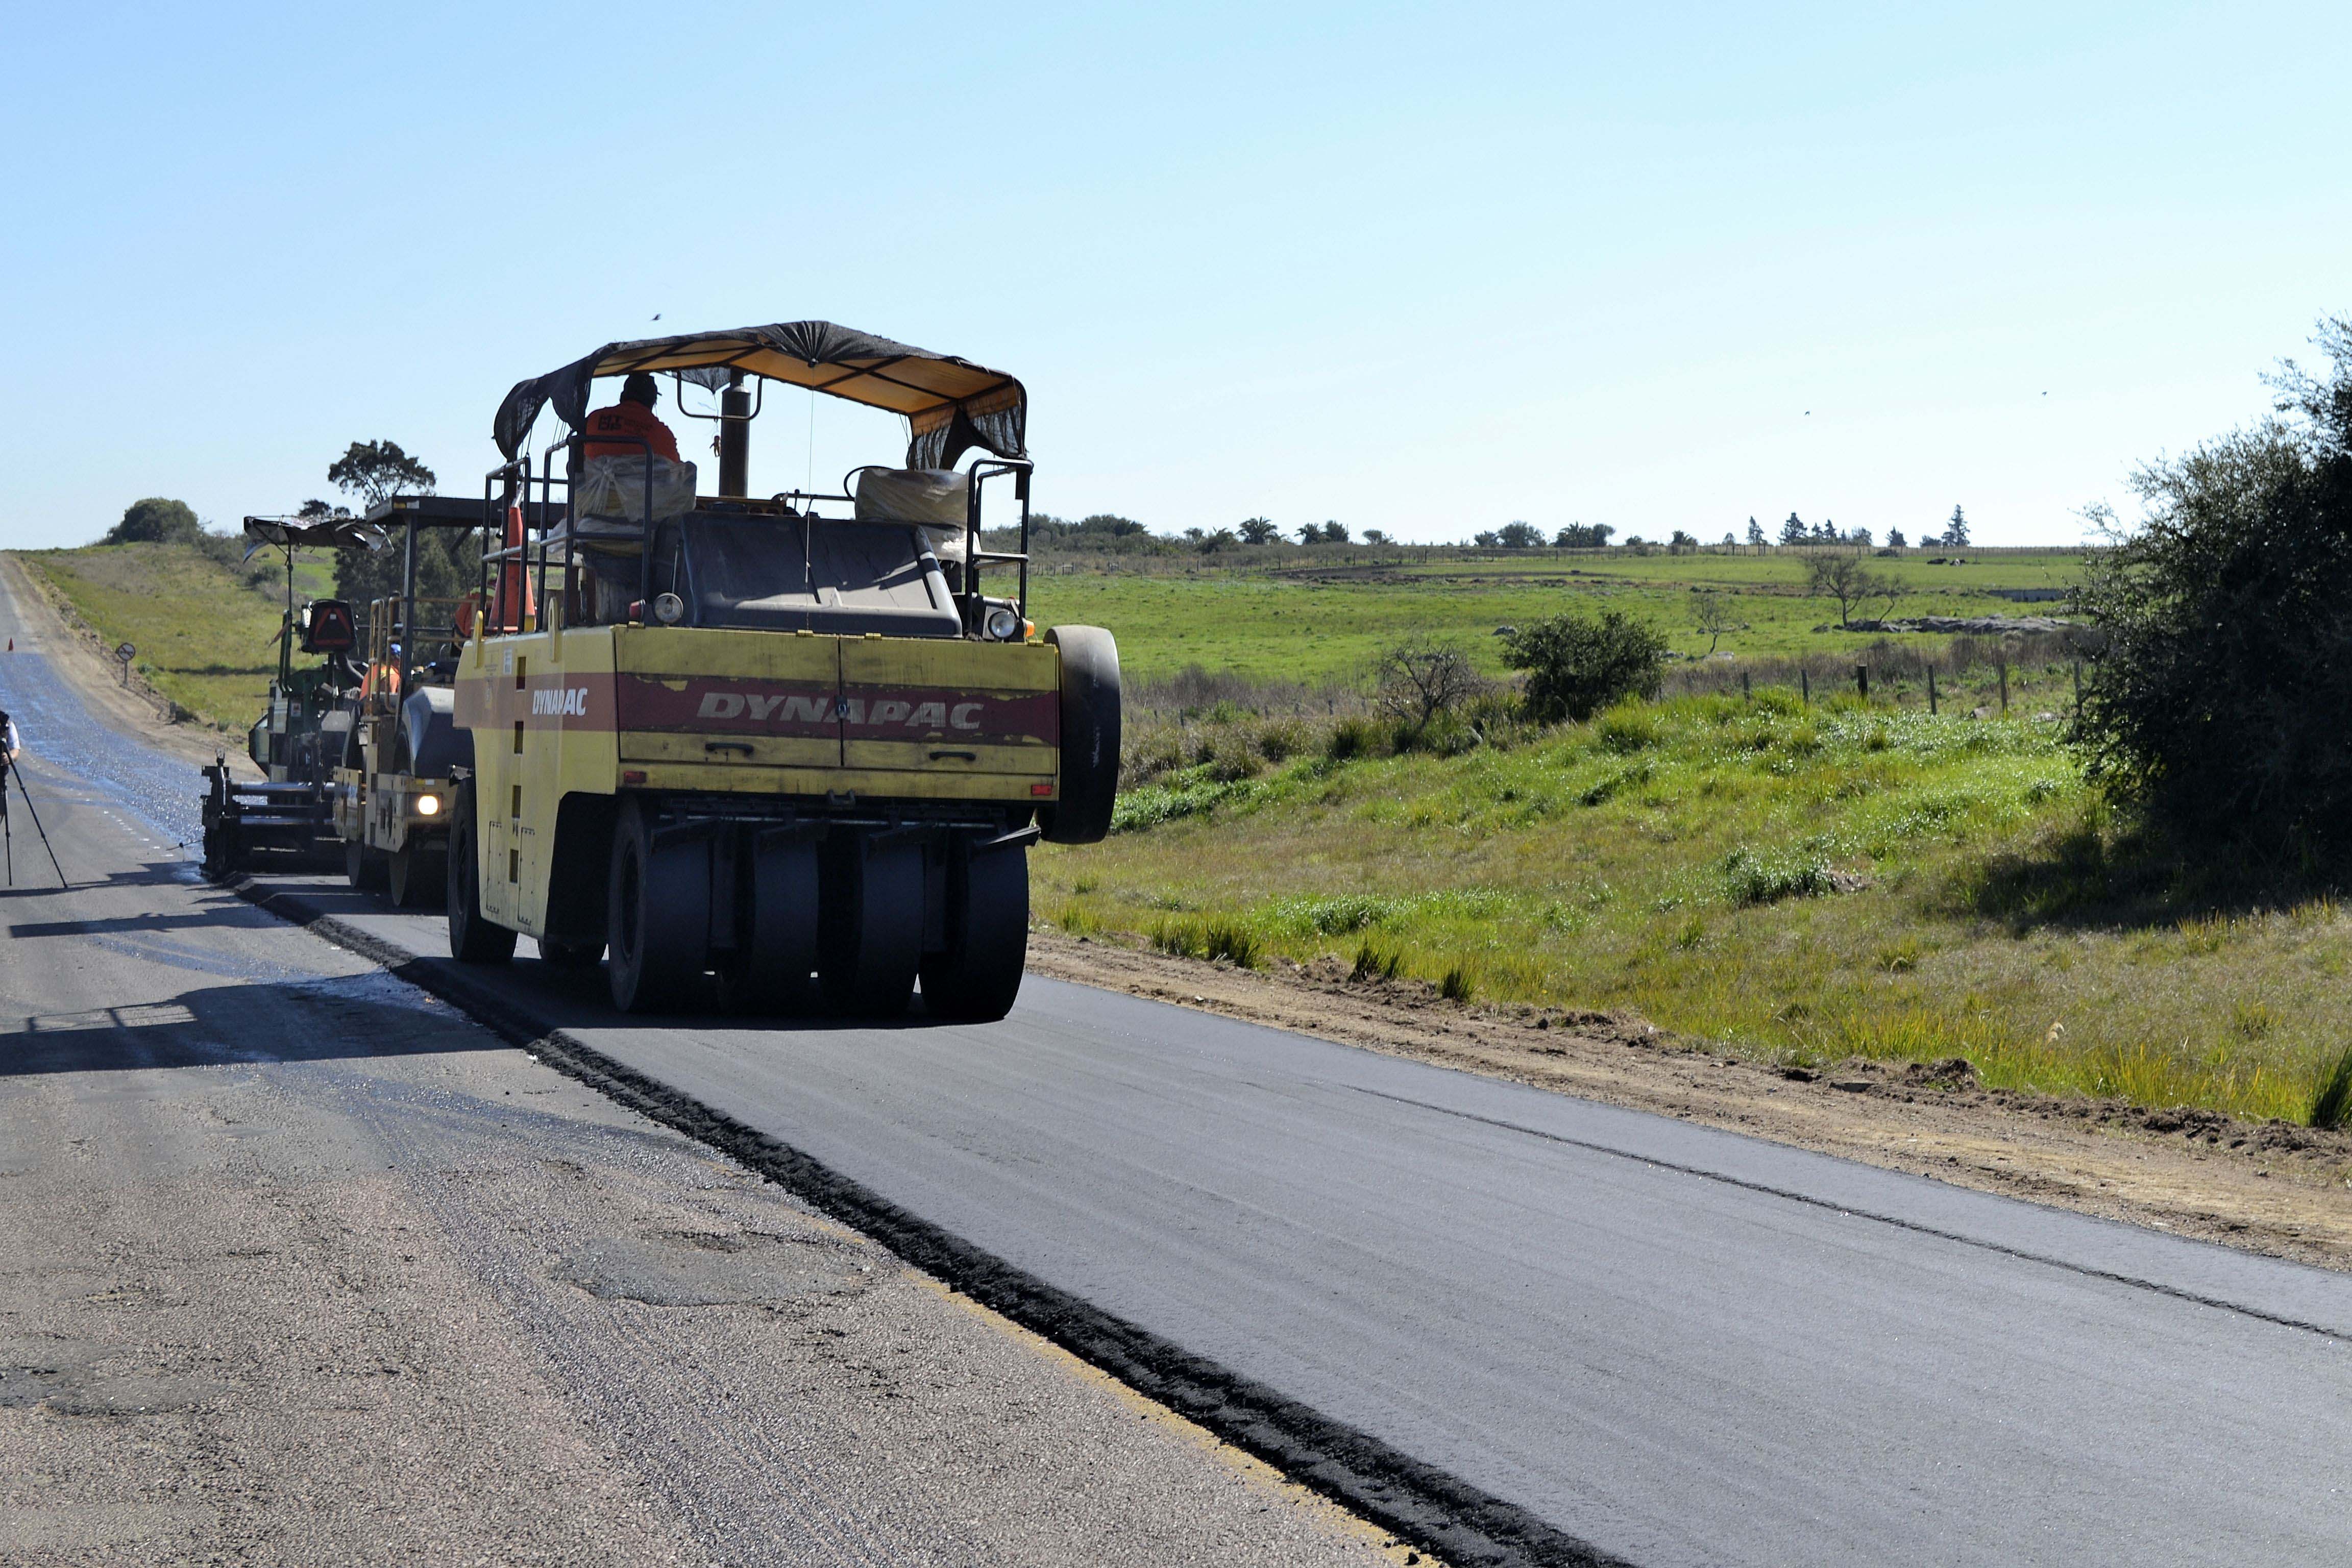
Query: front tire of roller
[(977, 978), (473, 939), (414, 875), (1090, 711), (363, 868), (657, 915), (870, 944)]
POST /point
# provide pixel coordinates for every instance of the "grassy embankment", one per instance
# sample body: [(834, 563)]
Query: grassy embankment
[(205, 631)]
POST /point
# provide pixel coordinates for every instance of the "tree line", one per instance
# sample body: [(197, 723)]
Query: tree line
[(1112, 533)]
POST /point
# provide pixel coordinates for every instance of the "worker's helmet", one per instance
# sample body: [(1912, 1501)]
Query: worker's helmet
[(640, 387)]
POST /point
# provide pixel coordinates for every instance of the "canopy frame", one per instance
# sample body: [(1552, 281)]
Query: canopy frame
[(950, 405)]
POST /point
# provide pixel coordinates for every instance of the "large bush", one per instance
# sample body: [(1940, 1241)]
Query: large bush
[(1576, 666), (155, 521), (2222, 700)]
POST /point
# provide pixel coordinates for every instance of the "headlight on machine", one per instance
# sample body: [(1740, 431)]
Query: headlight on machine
[(1004, 624), (428, 805)]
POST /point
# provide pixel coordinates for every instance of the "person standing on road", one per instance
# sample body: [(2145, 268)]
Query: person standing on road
[(631, 419)]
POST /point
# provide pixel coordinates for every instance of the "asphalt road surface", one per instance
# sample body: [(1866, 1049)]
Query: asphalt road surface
[(1671, 1344)]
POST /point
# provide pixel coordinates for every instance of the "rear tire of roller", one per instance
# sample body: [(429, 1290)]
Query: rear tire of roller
[(571, 952), (976, 979), (870, 944), (657, 920), (777, 921)]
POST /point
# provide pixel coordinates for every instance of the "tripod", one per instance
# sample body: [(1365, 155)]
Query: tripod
[(8, 771)]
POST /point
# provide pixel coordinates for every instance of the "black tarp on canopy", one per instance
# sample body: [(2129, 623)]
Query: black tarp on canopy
[(950, 405), (331, 533)]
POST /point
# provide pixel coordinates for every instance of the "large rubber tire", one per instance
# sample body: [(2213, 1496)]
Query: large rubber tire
[(1090, 731), (571, 952), (473, 939), (777, 925), (362, 867), (415, 874), (870, 938), (657, 916), (977, 977)]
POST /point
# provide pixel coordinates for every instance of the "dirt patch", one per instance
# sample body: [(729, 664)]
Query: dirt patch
[(2267, 1187), (713, 1268), (84, 660)]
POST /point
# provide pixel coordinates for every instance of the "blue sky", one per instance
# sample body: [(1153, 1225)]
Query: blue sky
[(1426, 268)]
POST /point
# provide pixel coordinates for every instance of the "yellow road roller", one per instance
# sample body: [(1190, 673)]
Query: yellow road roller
[(778, 754)]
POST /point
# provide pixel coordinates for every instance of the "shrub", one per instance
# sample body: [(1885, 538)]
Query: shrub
[(225, 549), (1421, 681), (1352, 737), (2331, 1107), (1576, 666), (1231, 757), (1211, 938), (2218, 704), (157, 520), (1279, 739)]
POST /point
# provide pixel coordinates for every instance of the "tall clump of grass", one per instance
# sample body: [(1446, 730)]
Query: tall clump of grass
[(1752, 878), (1211, 937), (1373, 965), (1457, 985), (2331, 1107)]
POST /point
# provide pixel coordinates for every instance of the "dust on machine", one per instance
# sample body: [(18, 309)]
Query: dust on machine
[(780, 753)]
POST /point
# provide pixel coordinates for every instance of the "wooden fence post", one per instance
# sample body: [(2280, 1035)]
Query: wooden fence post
[(1745, 692), (1862, 682), (1931, 688), (2003, 667), (2078, 689), (1804, 686)]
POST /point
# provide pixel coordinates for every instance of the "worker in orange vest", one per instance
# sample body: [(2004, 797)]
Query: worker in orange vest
[(633, 418)]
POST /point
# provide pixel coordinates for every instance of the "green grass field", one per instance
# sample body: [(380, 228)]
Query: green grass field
[(1327, 622), (1796, 884), (206, 638)]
